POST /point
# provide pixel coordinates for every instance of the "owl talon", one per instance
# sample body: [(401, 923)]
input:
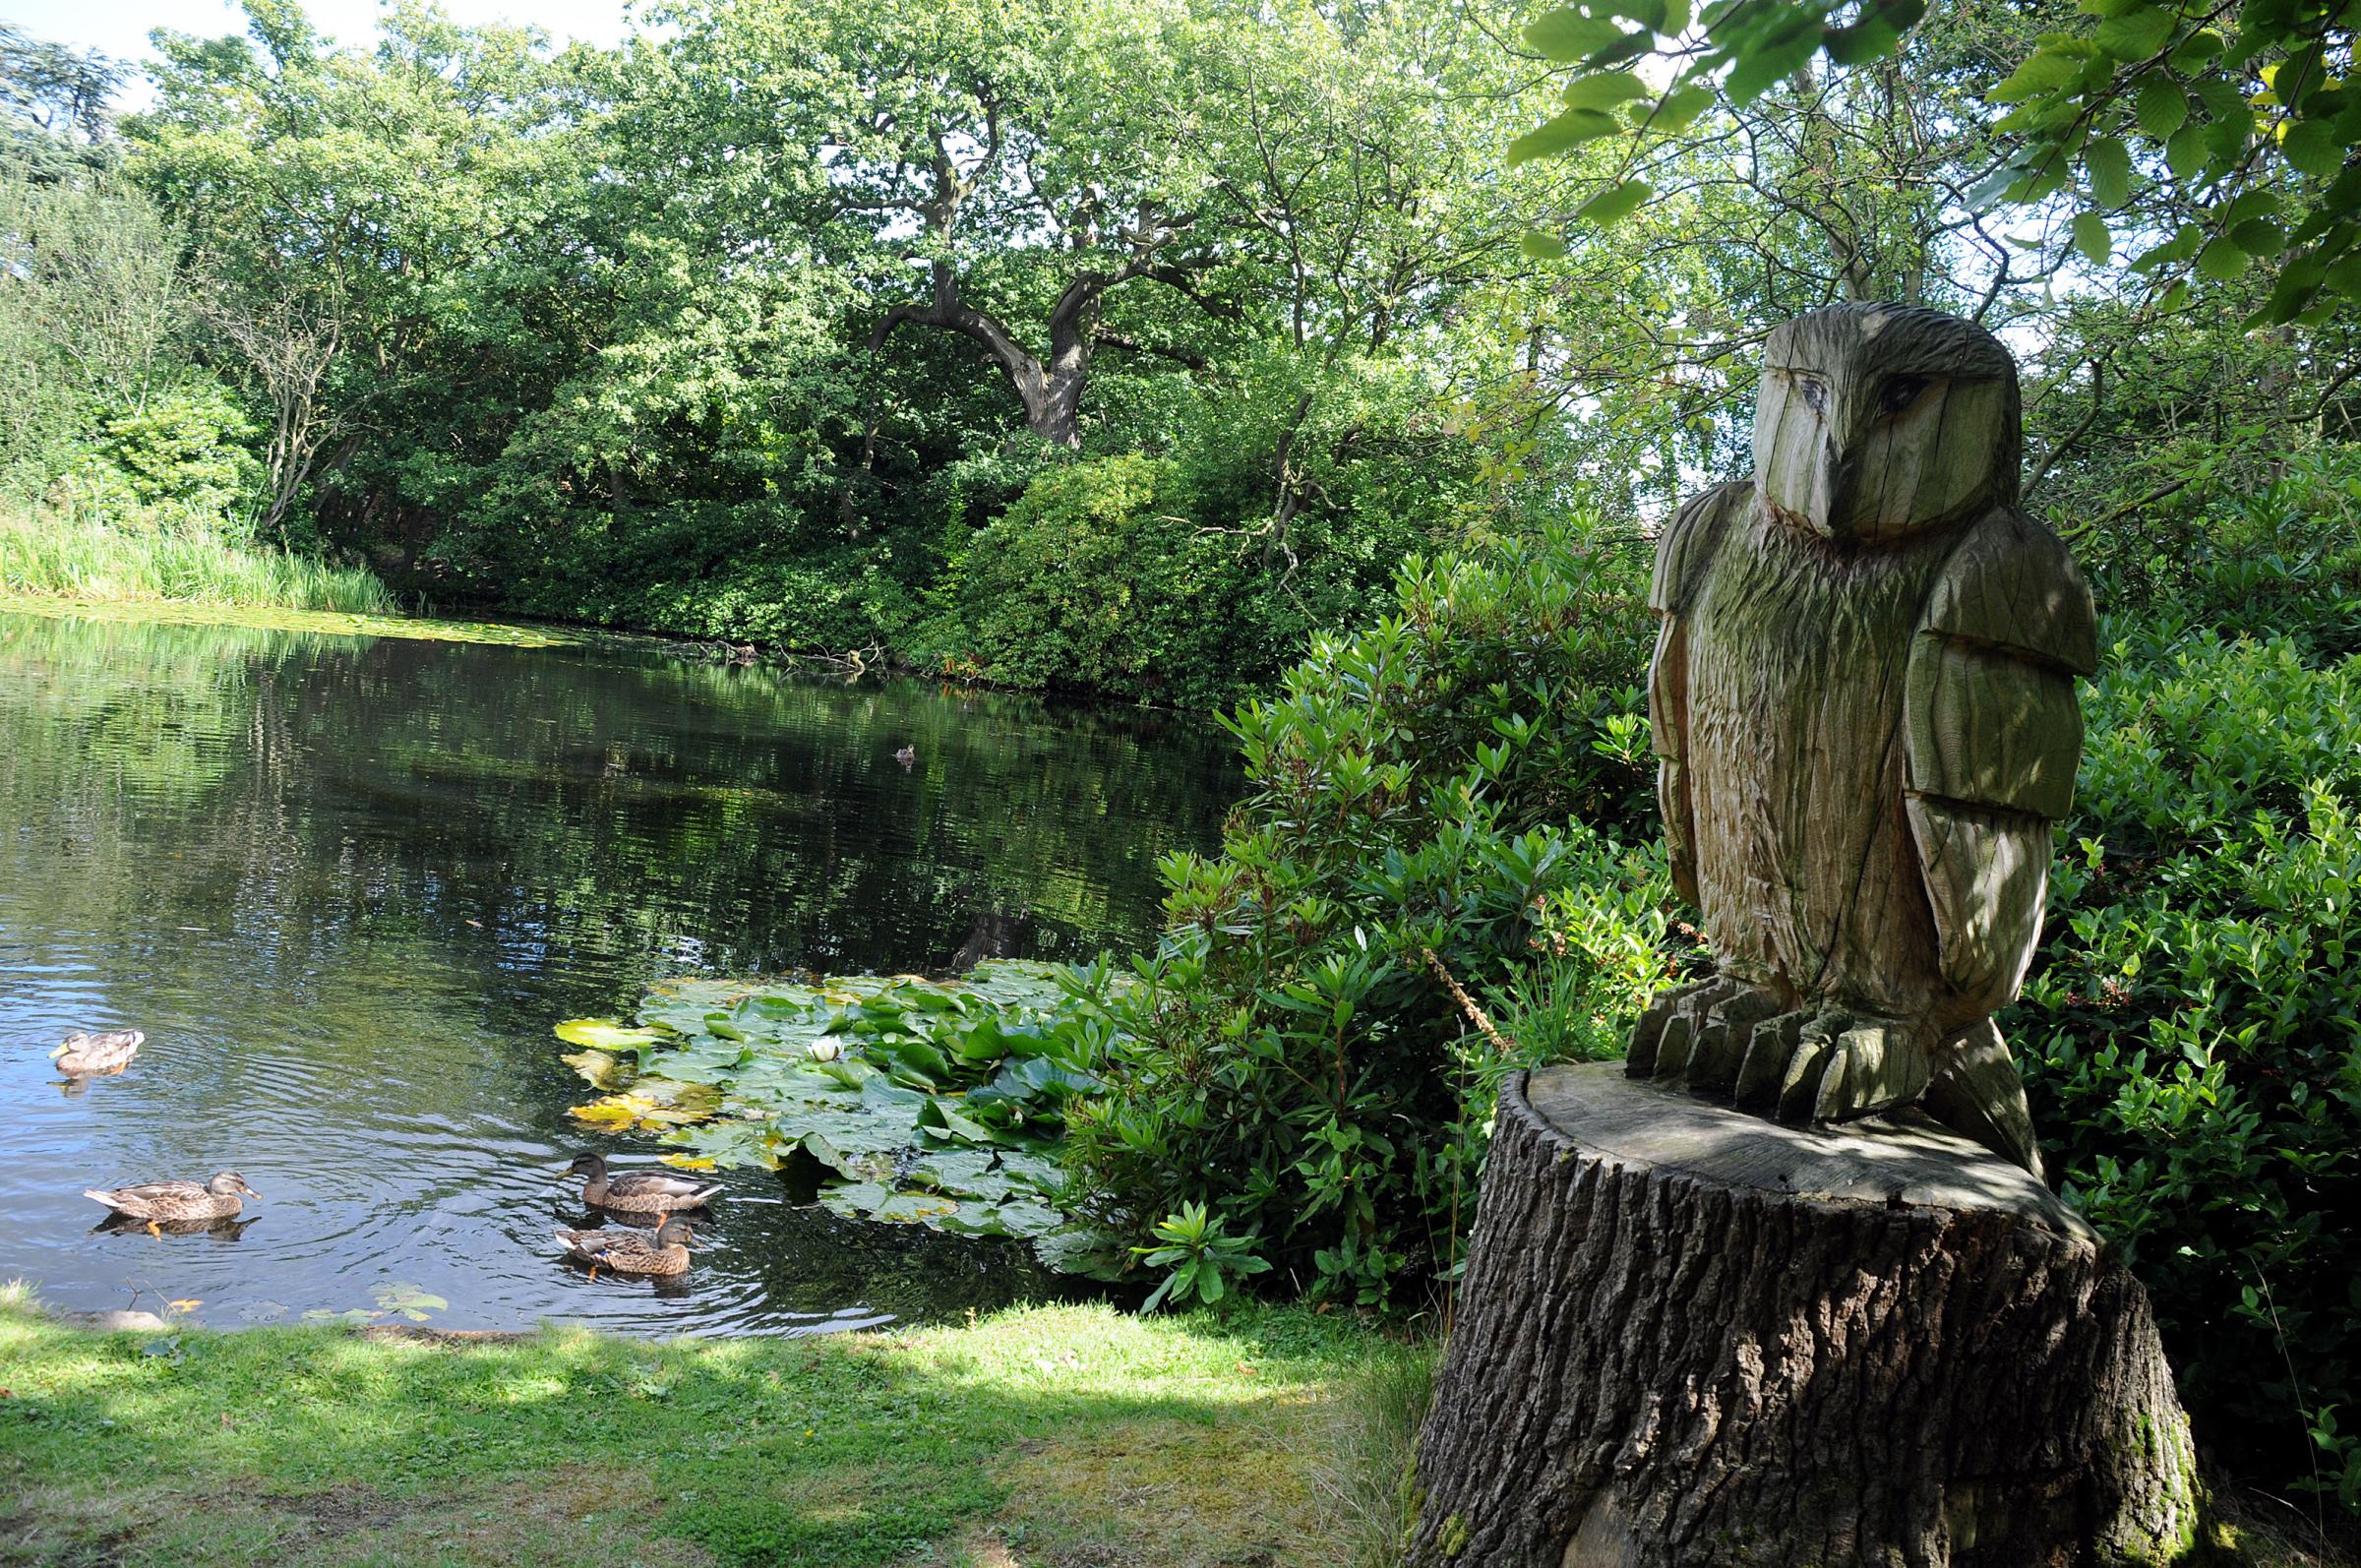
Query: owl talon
[(1718, 1047), (1799, 1085), (1770, 1046), (1651, 1035), (1672, 1028), (1846, 1065)]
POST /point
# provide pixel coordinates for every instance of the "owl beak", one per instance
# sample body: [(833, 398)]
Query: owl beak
[(1842, 487), (1835, 482)]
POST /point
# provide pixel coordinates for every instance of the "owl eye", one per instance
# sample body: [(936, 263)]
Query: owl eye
[(1898, 392), (1813, 392)]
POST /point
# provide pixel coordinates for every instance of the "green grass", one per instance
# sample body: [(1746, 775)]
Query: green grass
[(47, 555), (1048, 1438)]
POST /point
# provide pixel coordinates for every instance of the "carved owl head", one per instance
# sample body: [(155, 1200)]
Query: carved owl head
[(1876, 422)]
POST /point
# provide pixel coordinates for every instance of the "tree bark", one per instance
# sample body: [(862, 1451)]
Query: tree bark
[(1690, 1338)]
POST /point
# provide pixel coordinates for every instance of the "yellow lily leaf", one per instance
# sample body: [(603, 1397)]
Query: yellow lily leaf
[(691, 1162), (186, 1304), (613, 1113)]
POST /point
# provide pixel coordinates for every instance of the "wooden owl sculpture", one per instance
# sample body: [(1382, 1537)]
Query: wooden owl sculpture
[(1864, 716)]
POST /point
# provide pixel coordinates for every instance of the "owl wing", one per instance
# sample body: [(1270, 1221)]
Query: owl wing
[(1684, 551), (1993, 737)]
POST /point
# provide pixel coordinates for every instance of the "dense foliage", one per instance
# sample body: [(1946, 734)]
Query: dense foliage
[(2189, 1033), (2246, 107), (1425, 796)]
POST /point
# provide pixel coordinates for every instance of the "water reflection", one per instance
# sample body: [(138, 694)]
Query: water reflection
[(346, 885)]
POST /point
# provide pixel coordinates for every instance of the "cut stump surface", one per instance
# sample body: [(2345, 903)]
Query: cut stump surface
[(1689, 1337)]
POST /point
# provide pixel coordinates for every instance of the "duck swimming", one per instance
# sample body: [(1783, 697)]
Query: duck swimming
[(155, 1201), (631, 1251), (85, 1053), (638, 1191)]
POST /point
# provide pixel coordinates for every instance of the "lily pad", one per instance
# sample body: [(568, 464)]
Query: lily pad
[(605, 1034), (920, 1101)]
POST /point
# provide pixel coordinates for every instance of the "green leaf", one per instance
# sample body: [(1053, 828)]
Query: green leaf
[(1614, 205), (2111, 164), (2221, 261), (1677, 111), (2135, 35), (2043, 71), (1565, 33), (1541, 247), (1774, 58), (2194, 51), (2345, 277), (2160, 105), (2298, 285), (2093, 239), (2314, 147), (1569, 130), (2185, 151), (1873, 37), (1602, 89)]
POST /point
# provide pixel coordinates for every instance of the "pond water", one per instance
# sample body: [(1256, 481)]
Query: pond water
[(348, 884)]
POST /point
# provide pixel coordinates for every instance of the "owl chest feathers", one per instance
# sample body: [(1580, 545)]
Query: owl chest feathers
[(1797, 659), (1862, 749)]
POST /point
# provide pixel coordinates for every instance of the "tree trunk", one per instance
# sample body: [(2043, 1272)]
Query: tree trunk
[(1690, 1338)]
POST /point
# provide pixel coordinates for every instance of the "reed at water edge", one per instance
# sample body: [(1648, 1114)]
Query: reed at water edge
[(51, 554)]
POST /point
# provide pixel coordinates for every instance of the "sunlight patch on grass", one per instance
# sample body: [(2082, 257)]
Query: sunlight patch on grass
[(1066, 1434), (1160, 1493)]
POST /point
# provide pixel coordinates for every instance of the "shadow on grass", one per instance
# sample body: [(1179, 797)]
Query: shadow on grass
[(1064, 1435)]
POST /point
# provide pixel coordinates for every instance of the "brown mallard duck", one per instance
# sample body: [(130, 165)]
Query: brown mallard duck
[(155, 1201), (83, 1053), (638, 1191), (631, 1251)]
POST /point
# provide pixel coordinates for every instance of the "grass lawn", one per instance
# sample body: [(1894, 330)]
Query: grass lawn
[(1054, 1437)]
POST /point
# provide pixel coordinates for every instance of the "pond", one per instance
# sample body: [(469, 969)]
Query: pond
[(348, 884)]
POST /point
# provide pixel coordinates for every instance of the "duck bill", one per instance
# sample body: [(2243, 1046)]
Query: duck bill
[(59, 1051)]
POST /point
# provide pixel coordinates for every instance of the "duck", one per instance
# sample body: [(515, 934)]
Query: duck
[(83, 1052), (154, 1201), (638, 1191), (631, 1251)]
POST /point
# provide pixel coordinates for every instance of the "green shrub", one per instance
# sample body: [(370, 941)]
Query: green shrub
[(183, 452), (2190, 1034), (828, 602), (1087, 583), (2281, 554), (1290, 1059)]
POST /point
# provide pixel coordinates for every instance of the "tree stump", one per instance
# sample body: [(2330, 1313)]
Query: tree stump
[(1689, 1337)]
